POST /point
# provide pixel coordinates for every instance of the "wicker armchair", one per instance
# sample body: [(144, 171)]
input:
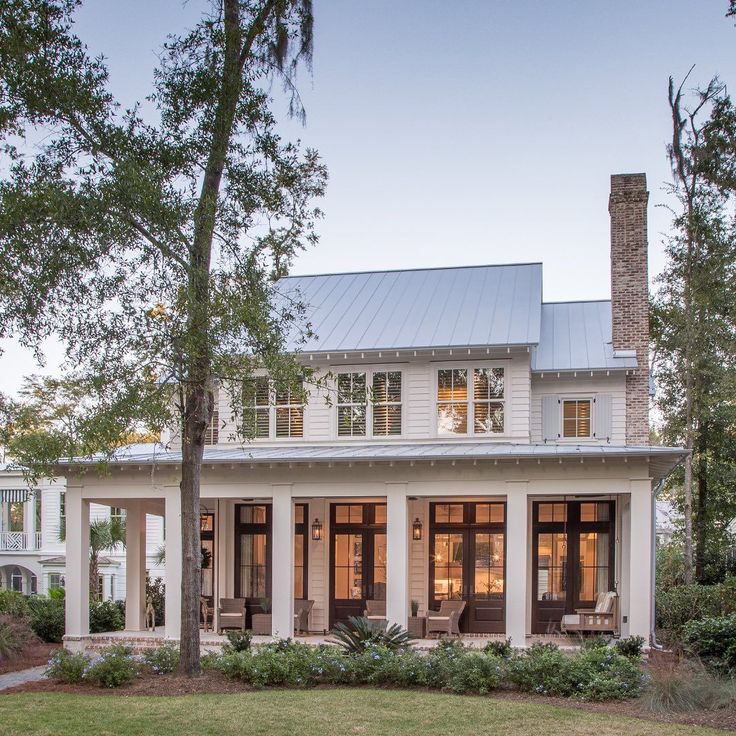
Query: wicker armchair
[(302, 610), (375, 612), (600, 620), (447, 619), (231, 614)]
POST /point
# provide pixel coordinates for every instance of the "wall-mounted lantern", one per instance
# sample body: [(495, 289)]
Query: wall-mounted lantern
[(317, 530), (416, 529)]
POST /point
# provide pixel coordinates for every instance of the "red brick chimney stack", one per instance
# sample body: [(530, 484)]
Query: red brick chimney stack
[(627, 206)]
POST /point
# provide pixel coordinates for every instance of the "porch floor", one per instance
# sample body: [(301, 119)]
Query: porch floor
[(210, 641)]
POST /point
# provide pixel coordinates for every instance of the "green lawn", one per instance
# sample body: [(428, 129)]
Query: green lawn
[(308, 713)]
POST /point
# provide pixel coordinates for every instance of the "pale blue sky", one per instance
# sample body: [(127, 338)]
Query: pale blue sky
[(470, 131)]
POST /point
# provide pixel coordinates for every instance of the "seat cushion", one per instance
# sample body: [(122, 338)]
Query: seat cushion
[(438, 618), (572, 619)]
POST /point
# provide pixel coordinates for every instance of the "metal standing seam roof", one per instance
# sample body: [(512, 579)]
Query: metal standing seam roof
[(422, 308), (577, 336)]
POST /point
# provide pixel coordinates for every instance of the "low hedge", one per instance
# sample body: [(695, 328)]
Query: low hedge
[(713, 641)]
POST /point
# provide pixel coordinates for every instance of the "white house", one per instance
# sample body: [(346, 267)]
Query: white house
[(32, 550), (480, 445)]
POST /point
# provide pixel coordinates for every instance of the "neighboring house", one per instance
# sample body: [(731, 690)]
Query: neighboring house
[(32, 553), (668, 518), (478, 444)]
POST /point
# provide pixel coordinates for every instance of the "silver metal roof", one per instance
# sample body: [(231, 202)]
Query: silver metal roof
[(422, 308), (661, 459), (577, 336)]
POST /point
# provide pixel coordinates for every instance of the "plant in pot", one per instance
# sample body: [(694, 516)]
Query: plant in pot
[(261, 622), (415, 608)]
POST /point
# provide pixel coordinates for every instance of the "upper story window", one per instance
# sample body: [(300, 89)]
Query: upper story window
[(212, 433), (117, 514), (470, 400), (576, 418), (369, 402), (272, 412)]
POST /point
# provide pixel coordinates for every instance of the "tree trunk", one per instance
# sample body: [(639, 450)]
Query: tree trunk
[(701, 550), (94, 577)]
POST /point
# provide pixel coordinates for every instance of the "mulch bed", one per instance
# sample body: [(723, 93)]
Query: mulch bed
[(216, 683), (33, 655)]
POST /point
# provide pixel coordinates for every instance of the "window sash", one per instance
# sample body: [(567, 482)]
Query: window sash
[(386, 404), (577, 417), (369, 403), (483, 413), (270, 412)]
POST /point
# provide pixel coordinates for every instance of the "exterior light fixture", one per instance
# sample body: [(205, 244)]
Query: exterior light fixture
[(416, 529), (317, 530)]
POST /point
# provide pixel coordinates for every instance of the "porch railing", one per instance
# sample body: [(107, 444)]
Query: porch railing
[(19, 541)]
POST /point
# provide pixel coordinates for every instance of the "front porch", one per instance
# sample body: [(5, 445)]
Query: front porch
[(522, 543)]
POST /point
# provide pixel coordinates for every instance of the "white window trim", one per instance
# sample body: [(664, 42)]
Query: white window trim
[(469, 366), (369, 371), (272, 405), (562, 398)]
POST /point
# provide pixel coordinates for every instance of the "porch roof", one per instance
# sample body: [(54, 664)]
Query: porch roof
[(662, 460)]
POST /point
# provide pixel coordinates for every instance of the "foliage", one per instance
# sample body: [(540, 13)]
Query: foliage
[(114, 667), (541, 669), (265, 604), (156, 591), (47, 618), (414, 608), (684, 686), (630, 646), (67, 667), (501, 648), (713, 640), (360, 633), (162, 659), (15, 635), (106, 616), (670, 570), (238, 641), (14, 604)]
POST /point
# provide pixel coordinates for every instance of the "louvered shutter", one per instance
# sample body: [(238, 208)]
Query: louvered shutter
[(603, 417), (550, 418)]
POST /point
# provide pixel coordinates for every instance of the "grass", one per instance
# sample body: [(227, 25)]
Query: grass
[(310, 713)]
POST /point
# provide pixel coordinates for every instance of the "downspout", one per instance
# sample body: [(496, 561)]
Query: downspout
[(653, 643)]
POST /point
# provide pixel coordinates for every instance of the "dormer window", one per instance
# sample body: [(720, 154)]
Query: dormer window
[(457, 414), (576, 418)]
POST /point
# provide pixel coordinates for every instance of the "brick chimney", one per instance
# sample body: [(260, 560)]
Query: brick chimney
[(627, 206)]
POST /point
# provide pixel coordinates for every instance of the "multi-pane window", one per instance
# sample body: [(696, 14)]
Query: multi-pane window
[(272, 412), (386, 402), (576, 418), (56, 580), (352, 404), (369, 402), (457, 413), (117, 514)]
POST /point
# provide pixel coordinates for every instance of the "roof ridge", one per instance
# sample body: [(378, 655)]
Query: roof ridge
[(409, 270), (579, 301)]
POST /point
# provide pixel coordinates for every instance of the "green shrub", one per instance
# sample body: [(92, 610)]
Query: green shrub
[(477, 673), (67, 667), (499, 648), (238, 641), (713, 640), (15, 635), (162, 659), (685, 686), (114, 667), (156, 591), (601, 673), (542, 669), (14, 604), (106, 616), (360, 633), (630, 646), (47, 618)]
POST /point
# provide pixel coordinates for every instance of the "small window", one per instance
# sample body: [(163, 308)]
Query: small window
[(387, 403), (448, 513), (212, 433), (252, 514), (289, 414), (16, 514), (488, 388), (56, 581), (299, 513), (349, 513), (452, 401), (594, 512), (117, 514), (489, 513), (552, 512), (380, 513), (256, 407), (576, 418), (351, 404), (206, 522)]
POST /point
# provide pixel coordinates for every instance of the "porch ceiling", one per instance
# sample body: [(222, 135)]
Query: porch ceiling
[(662, 460)]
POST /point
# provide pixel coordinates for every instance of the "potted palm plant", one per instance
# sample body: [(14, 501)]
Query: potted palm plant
[(261, 622)]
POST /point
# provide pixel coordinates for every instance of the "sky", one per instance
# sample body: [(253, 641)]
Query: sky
[(464, 132)]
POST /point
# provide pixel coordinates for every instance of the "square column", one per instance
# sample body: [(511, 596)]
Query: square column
[(397, 555), (282, 562), (517, 553), (173, 562), (640, 564), (135, 567), (77, 563)]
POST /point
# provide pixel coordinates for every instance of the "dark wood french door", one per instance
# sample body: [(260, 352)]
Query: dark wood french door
[(573, 549), (467, 554), (357, 558)]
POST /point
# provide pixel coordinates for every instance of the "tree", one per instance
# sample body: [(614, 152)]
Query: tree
[(693, 319), (150, 239)]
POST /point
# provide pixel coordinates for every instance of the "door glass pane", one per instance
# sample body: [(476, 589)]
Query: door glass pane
[(379, 567), (253, 565), (593, 570), (299, 513), (298, 566), (348, 566), (448, 566), (381, 513), (489, 513), (594, 511), (208, 564), (552, 511), (489, 566), (551, 561), (349, 514), (253, 514), (448, 513)]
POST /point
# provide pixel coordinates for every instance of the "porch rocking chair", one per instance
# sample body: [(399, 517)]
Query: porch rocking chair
[(600, 620), (447, 619)]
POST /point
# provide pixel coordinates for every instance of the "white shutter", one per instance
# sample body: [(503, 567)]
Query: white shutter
[(550, 418), (603, 417)]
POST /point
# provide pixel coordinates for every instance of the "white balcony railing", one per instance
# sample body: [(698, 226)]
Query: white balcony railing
[(19, 541)]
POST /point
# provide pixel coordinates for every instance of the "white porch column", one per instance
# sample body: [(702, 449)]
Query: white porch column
[(173, 562), (77, 563), (517, 552), (135, 566), (397, 555), (282, 562), (640, 568)]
